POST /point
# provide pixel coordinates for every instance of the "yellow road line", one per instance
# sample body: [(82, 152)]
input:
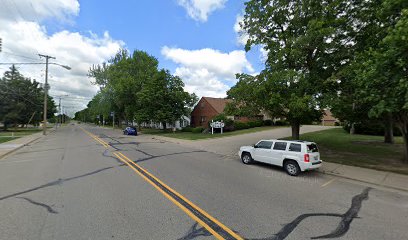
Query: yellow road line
[(188, 212), (96, 138), (186, 200), (327, 183), (128, 162)]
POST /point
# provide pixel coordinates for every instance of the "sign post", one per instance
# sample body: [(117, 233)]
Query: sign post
[(113, 120)]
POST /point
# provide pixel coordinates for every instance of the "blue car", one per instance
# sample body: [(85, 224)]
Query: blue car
[(130, 131)]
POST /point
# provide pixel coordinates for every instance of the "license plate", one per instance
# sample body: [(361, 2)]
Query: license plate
[(316, 158)]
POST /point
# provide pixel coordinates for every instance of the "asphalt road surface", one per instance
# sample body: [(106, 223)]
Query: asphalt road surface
[(85, 182)]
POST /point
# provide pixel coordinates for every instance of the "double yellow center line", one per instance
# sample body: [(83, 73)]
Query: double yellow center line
[(216, 228)]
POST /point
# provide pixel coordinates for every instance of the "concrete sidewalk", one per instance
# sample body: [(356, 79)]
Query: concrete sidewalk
[(9, 147), (380, 178), (228, 146)]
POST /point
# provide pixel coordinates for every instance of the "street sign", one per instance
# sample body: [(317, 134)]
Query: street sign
[(216, 125), (112, 114)]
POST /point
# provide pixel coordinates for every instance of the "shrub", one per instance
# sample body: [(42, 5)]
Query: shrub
[(268, 122), (281, 123), (187, 129), (228, 123), (251, 124), (197, 130), (240, 125), (258, 123), (222, 117)]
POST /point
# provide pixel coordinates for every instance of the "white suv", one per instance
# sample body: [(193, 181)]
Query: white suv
[(293, 156)]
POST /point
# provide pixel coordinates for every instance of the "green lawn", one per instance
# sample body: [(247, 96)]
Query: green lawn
[(16, 133), (338, 146), (198, 136)]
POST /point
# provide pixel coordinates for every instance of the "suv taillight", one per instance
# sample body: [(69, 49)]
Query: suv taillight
[(307, 158)]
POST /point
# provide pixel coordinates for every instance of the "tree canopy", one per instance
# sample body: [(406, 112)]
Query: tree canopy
[(132, 86), (305, 41), (21, 99)]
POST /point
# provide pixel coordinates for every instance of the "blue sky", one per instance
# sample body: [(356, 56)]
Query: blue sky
[(150, 25), (195, 39)]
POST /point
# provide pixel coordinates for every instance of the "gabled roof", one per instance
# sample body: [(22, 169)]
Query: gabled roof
[(217, 103), (328, 116)]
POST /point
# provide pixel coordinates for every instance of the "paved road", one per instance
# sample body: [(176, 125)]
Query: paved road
[(71, 185)]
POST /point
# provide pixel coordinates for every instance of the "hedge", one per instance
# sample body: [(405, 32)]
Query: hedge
[(197, 130), (240, 125), (187, 129), (268, 122)]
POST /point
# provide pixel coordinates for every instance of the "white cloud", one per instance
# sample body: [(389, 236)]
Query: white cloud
[(24, 39), (242, 37), (199, 10), (207, 72), (264, 54), (39, 10)]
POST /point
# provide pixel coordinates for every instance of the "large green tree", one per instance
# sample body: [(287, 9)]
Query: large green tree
[(132, 86), (164, 99), (371, 21), (306, 43), (383, 78), (122, 78), (21, 99)]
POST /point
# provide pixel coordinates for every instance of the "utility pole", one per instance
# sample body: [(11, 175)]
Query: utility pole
[(59, 120), (45, 92), (60, 112)]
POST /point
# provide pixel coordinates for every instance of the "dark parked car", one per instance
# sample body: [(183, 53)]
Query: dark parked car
[(130, 131)]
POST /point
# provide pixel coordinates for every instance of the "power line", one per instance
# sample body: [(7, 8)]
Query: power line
[(22, 56)]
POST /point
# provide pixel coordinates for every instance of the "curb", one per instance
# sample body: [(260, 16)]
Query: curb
[(24, 145), (359, 180), (17, 148)]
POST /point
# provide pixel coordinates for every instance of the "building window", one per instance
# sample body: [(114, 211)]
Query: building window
[(202, 105), (203, 119)]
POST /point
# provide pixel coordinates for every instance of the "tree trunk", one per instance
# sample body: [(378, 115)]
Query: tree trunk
[(405, 138), (352, 129), (388, 129), (402, 123), (295, 130)]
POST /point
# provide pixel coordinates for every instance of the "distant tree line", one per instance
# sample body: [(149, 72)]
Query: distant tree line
[(21, 100), (350, 56), (134, 88)]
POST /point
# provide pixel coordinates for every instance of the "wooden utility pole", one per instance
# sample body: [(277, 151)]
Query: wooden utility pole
[(45, 92)]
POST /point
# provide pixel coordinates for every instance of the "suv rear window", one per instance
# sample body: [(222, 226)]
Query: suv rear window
[(279, 146), (295, 147), (312, 148)]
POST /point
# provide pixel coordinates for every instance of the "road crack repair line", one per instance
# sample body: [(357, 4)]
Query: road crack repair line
[(47, 207), (342, 228), (194, 232), (57, 182)]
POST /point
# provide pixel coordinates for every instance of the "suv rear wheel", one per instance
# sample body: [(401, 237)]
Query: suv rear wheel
[(291, 167), (246, 158)]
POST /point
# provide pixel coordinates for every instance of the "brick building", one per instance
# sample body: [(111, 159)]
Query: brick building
[(328, 118), (208, 107)]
